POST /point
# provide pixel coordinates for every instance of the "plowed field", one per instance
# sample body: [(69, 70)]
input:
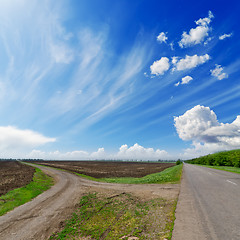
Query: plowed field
[(103, 169), (13, 175)]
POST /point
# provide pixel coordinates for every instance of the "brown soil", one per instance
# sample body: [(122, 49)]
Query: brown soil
[(13, 175), (103, 169), (42, 216)]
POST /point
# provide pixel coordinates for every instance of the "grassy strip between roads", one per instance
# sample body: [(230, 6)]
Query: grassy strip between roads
[(224, 168), (41, 182), (121, 216), (169, 175)]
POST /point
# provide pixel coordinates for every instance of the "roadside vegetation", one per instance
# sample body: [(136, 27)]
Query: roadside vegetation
[(169, 175), (19, 196), (228, 169), (121, 216), (228, 160)]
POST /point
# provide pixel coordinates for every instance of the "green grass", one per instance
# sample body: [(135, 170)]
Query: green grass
[(119, 217), (41, 182), (169, 175), (228, 169)]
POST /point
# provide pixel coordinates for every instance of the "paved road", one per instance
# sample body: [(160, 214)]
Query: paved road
[(208, 206)]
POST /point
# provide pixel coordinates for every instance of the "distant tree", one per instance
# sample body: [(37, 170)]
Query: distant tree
[(178, 162)]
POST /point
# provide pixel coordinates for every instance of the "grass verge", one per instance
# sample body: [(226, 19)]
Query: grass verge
[(41, 182), (119, 217), (169, 175), (224, 168)]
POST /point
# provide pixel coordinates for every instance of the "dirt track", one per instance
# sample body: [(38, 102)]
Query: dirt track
[(43, 215)]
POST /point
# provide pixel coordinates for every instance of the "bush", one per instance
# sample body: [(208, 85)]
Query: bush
[(228, 158), (178, 162)]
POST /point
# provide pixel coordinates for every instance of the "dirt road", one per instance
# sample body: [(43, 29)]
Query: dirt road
[(43, 215)]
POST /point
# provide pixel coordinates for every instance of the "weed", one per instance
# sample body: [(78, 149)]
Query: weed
[(118, 217)]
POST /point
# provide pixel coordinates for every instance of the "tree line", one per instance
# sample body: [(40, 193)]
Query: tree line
[(227, 158)]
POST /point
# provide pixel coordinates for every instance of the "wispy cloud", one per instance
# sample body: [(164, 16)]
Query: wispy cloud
[(222, 37)]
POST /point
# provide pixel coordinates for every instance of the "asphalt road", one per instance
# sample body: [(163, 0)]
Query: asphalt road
[(208, 206)]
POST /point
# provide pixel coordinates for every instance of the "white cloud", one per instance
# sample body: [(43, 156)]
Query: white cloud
[(13, 139), (57, 155), (139, 152), (100, 154), (185, 80), (61, 53), (189, 62), (160, 67), (222, 37), (135, 152), (200, 125), (218, 72), (198, 34), (162, 37), (194, 122)]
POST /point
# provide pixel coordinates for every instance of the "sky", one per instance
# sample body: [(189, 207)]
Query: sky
[(103, 79)]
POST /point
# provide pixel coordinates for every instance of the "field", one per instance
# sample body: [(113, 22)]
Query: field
[(103, 169), (13, 175), (105, 211)]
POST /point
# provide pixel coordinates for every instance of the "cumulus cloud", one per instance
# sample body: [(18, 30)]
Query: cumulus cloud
[(218, 72), (200, 125), (185, 80), (162, 37), (160, 67), (222, 37), (197, 35), (12, 138), (135, 152), (189, 62), (194, 122), (139, 152), (100, 154)]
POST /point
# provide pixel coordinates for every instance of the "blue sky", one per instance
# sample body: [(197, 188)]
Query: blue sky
[(119, 79)]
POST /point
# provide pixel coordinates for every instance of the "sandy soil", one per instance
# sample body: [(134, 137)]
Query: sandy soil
[(44, 215)]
